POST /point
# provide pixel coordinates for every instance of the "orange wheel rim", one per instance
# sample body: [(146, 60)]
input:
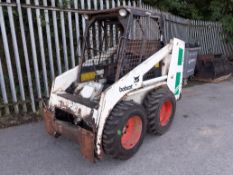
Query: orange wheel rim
[(165, 112), (131, 132)]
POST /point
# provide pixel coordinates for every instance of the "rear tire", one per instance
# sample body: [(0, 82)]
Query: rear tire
[(124, 130), (160, 105)]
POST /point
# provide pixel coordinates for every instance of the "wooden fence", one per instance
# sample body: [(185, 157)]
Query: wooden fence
[(41, 39)]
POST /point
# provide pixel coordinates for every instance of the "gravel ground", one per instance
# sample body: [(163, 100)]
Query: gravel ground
[(200, 141)]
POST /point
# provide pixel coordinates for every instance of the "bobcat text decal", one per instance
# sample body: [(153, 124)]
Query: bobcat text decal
[(125, 88)]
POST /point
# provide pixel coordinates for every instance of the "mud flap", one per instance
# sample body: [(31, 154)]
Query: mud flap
[(83, 137)]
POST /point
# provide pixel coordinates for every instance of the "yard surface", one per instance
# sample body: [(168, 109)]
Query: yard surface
[(200, 141)]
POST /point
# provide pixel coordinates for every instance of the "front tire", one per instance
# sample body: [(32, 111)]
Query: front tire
[(124, 130), (160, 105)]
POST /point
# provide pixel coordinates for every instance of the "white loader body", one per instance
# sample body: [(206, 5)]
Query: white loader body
[(130, 87)]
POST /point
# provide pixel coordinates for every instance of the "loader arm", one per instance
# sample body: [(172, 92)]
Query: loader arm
[(172, 69)]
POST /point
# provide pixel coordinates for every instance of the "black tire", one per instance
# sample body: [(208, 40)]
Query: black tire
[(153, 103), (113, 129)]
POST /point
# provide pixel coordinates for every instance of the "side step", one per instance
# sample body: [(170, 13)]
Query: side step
[(70, 104), (78, 99)]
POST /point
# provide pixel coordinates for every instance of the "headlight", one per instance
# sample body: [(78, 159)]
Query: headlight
[(123, 12), (86, 17)]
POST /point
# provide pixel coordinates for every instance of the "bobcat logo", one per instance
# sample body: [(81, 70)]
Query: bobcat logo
[(136, 79)]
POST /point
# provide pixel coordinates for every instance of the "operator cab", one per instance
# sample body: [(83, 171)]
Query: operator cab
[(116, 41)]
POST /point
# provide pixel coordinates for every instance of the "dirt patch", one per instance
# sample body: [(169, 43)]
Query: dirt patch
[(14, 120)]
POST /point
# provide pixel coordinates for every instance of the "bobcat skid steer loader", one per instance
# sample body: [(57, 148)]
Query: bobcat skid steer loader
[(126, 83)]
